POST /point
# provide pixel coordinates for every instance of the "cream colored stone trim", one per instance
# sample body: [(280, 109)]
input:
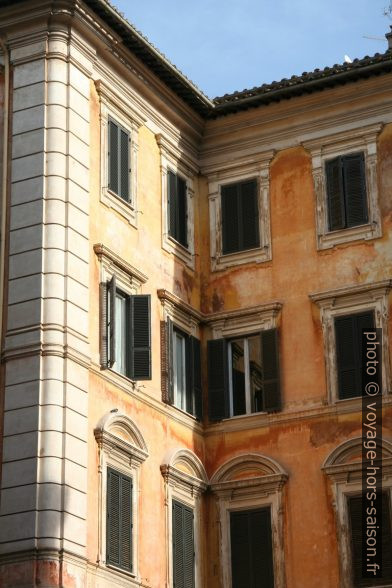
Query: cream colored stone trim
[(345, 478), (244, 321), (112, 106), (324, 148), (129, 278), (351, 300), (181, 313), (121, 446), (185, 481), (175, 160), (227, 173), (236, 492)]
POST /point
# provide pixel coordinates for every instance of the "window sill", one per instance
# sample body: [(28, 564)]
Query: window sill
[(341, 236), (125, 209), (131, 577), (175, 248), (259, 255)]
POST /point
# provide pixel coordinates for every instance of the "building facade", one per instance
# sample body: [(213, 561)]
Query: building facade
[(184, 284)]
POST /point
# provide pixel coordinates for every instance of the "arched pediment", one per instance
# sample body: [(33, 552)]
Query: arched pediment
[(186, 462), (351, 452), (247, 466), (117, 431)]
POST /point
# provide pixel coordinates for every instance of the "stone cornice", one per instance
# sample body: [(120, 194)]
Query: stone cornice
[(368, 290), (105, 253)]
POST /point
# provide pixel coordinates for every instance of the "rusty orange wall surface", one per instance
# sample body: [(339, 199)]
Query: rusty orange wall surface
[(141, 247), (297, 269)]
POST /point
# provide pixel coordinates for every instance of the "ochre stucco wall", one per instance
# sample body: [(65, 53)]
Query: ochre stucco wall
[(297, 269)]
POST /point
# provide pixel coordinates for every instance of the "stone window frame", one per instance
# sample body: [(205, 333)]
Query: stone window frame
[(121, 447), (186, 319), (112, 106), (175, 160), (185, 480), (352, 300), (259, 169), (243, 323), (344, 143), (128, 279), (235, 491), (344, 475)]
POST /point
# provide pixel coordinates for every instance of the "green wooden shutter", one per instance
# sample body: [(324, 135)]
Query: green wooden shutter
[(230, 219), (124, 165), (251, 549), (111, 315), (270, 370), (103, 324), (167, 361), (181, 220), (172, 203), (183, 546), (170, 351), (355, 516), (119, 520), (193, 377), (140, 337), (113, 156), (348, 335), (249, 215), (218, 385), (335, 194), (355, 189)]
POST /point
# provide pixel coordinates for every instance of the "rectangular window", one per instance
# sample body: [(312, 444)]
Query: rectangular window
[(118, 160), (243, 375), (177, 208), (355, 516), (183, 546), (348, 334), (119, 520), (251, 549), (126, 332), (181, 369), (346, 191), (240, 217)]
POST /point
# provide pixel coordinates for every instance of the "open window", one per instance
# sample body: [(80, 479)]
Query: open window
[(180, 355), (125, 318)]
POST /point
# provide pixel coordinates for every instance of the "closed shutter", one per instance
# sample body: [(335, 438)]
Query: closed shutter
[(113, 156), (172, 203), (348, 335), (103, 324), (119, 520), (218, 388), (270, 371), (183, 546), (355, 515), (251, 549), (167, 361), (124, 165), (335, 194), (249, 214), (230, 221), (182, 220), (140, 344), (355, 189), (193, 377), (111, 316)]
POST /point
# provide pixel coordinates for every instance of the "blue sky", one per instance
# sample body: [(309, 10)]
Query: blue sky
[(223, 46)]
